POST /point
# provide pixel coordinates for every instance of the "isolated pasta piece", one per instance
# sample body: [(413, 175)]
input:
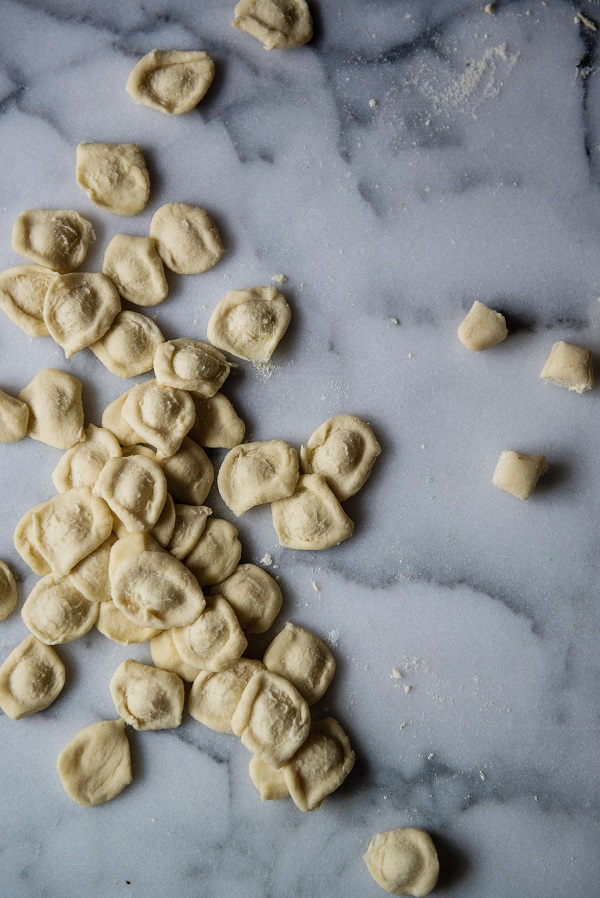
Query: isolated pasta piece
[(96, 764), (145, 697), (277, 24), (312, 518), (214, 695), (8, 591), (569, 366), (81, 465), (214, 640), (254, 596), (217, 424), (113, 420), (216, 554), (269, 782), (171, 81), (187, 238), (250, 323), (165, 655), (56, 612), (31, 678), (255, 473), (56, 238), (191, 365), (190, 523), (113, 624), (114, 176), (303, 659), (161, 415), (90, 576), (136, 269), (518, 473), (482, 328), (164, 527), (79, 308), (403, 862), (128, 346), (22, 293), (343, 450), (135, 489), (55, 408), (320, 765), (189, 472), (14, 418)]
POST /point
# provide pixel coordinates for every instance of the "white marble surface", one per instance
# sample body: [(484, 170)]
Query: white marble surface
[(474, 175)]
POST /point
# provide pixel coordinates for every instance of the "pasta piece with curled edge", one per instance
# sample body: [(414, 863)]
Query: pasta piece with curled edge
[(216, 554), (31, 678), (343, 449), (96, 764), (270, 783), (255, 473), (136, 269), (303, 659), (161, 415), (277, 24), (214, 640), (127, 546), (22, 293), (55, 408), (187, 238), (190, 523), (135, 489), (128, 346), (90, 576), (56, 612), (165, 655), (25, 545), (271, 718), (79, 308), (250, 323), (145, 697), (56, 238), (8, 591), (113, 624), (403, 862), (114, 176), (14, 418), (139, 450), (164, 527), (320, 765), (81, 465), (254, 596), (191, 365), (214, 695), (569, 366), (171, 81), (311, 518), (113, 420), (217, 424), (189, 472)]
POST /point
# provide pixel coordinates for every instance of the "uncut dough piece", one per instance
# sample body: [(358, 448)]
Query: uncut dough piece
[(187, 238), (277, 24), (55, 408), (250, 323), (113, 420), (22, 293), (403, 862), (56, 238), (569, 366), (255, 473), (254, 596), (269, 782), (145, 697), (271, 718), (216, 554), (482, 328), (164, 527), (8, 591), (518, 473), (312, 518), (171, 81), (81, 465), (14, 418), (217, 424), (190, 524), (214, 640), (96, 764), (191, 365), (136, 269), (113, 624), (30, 679), (90, 576), (343, 449), (135, 489), (161, 415), (165, 655), (303, 659), (214, 696), (320, 766), (25, 545), (153, 589), (114, 176), (56, 612), (189, 472), (128, 346), (79, 308)]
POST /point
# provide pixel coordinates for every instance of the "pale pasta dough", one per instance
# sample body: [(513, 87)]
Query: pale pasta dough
[(269, 782), (214, 640), (312, 518), (482, 328), (165, 655), (214, 695), (79, 308), (518, 473), (81, 465), (403, 862), (96, 764), (56, 612), (136, 269), (25, 545), (255, 473), (8, 591), (320, 765), (90, 576), (161, 415), (216, 554), (114, 176), (254, 596), (171, 81), (343, 450), (277, 24), (191, 365), (569, 366), (128, 346), (30, 679), (190, 523), (22, 293), (145, 697), (189, 472), (56, 238), (250, 323), (164, 527), (14, 418), (55, 408), (187, 238), (127, 547), (113, 420), (113, 624), (217, 424), (303, 659), (135, 489)]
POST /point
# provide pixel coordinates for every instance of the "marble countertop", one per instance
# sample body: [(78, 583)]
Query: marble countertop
[(416, 156)]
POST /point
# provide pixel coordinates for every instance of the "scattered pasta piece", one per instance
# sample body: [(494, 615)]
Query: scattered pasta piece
[(191, 365), (56, 612), (113, 420), (164, 527), (343, 450), (8, 591), (518, 474), (113, 624), (128, 346), (255, 473), (482, 328), (96, 764), (303, 659), (403, 862), (320, 765), (55, 408), (214, 696), (79, 308), (56, 238), (250, 323), (31, 678), (135, 489), (217, 425), (14, 418), (187, 238), (569, 366), (270, 783), (81, 465), (171, 81), (90, 576), (22, 293), (114, 176), (161, 415), (189, 472), (136, 269), (190, 524), (165, 655), (216, 554), (312, 518), (254, 596), (145, 697), (214, 640), (277, 24)]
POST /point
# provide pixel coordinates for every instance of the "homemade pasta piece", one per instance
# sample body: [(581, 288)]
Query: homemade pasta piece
[(114, 176), (56, 612), (164, 527), (81, 465), (25, 545), (161, 415), (55, 408), (187, 238), (128, 346), (79, 308), (216, 554), (30, 679), (272, 719), (190, 523), (214, 695), (113, 624), (191, 365), (127, 547), (139, 450), (482, 328), (403, 862), (343, 450), (250, 323), (113, 420), (254, 596), (214, 640), (165, 655), (96, 764), (90, 576), (14, 418), (217, 424), (55, 238), (136, 269), (8, 591), (22, 293), (569, 366), (303, 659), (312, 518), (518, 473), (189, 472), (254, 473), (145, 697), (277, 24), (171, 81), (320, 765), (269, 782), (135, 489)]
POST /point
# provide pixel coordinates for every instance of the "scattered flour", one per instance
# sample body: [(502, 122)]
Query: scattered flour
[(316, 586), (333, 636), (279, 278), (266, 559)]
